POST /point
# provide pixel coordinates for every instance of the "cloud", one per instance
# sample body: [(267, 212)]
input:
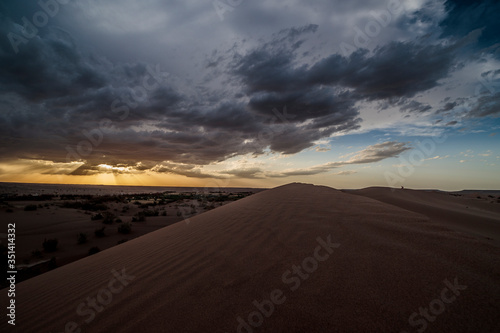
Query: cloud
[(370, 154), (345, 173), (267, 79), (249, 173), (436, 158), (486, 106)]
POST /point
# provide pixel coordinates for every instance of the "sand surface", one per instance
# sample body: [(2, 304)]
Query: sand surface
[(473, 213), (383, 267)]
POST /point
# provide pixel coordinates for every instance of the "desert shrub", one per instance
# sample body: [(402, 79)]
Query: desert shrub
[(108, 218), (94, 250), (122, 241), (82, 238), (36, 254), (179, 213), (124, 228), (96, 217), (118, 220), (148, 212), (50, 245), (139, 217), (30, 208), (164, 213), (99, 232), (52, 263), (9, 210)]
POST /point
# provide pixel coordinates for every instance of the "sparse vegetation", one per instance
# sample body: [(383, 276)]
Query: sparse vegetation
[(96, 217), (82, 238), (52, 263), (36, 254), (94, 250), (99, 233), (50, 245), (30, 208), (108, 218), (148, 212), (125, 228), (139, 217)]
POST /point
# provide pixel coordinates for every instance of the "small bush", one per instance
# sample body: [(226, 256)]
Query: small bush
[(50, 245), (94, 250), (99, 233), (96, 217), (52, 263), (36, 254), (122, 241), (148, 212), (9, 210), (30, 208), (108, 218), (139, 217), (164, 213), (118, 220), (124, 228), (82, 238)]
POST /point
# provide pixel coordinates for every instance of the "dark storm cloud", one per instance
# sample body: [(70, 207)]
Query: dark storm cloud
[(371, 154), (414, 106), (274, 92), (399, 69), (467, 15), (486, 106)]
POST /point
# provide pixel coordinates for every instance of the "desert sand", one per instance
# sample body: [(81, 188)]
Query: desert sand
[(296, 258), (66, 212)]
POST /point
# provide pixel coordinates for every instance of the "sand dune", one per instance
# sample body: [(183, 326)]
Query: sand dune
[(312, 258), (465, 213)]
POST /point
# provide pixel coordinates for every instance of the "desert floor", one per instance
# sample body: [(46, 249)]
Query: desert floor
[(296, 258)]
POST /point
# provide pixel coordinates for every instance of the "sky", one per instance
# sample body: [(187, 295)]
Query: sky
[(232, 93)]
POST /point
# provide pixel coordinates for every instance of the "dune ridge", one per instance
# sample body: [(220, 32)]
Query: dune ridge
[(203, 276)]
